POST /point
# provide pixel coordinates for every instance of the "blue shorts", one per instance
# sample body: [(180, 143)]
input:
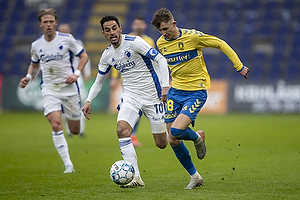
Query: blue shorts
[(185, 102)]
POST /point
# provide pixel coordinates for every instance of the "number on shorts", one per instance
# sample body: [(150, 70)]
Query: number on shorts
[(170, 105), (159, 108)]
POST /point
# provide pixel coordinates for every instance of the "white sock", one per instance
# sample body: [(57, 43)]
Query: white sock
[(82, 123), (196, 176), (61, 145), (128, 153)]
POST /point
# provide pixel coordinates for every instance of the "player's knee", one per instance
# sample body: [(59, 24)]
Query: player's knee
[(123, 132), (56, 126), (177, 133), (161, 144), (173, 141), (74, 130)]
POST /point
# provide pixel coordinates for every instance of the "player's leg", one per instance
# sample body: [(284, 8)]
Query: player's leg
[(53, 113), (175, 105), (71, 106), (192, 104), (155, 114), (74, 126), (127, 117), (183, 155), (83, 95)]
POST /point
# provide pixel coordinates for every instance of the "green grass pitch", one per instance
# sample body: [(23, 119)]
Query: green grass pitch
[(249, 156)]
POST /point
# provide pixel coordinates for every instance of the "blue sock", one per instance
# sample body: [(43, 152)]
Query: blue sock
[(183, 155), (187, 134)]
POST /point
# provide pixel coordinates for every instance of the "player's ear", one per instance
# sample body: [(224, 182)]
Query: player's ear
[(120, 29), (174, 23)]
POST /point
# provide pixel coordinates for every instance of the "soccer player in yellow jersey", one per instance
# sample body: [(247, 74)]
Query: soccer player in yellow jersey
[(138, 28), (190, 80)]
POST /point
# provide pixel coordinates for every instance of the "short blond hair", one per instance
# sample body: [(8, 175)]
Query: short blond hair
[(48, 11)]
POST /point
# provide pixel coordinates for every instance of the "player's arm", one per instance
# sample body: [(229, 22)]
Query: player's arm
[(31, 73), (215, 42), (83, 60), (164, 71), (145, 49), (79, 51)]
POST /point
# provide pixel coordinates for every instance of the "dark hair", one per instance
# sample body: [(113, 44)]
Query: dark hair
[(162, 15), (107, 18), (49, 11)]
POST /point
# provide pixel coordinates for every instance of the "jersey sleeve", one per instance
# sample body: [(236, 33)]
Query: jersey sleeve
[(34, 55), (143, 48), (202, 40), (103, 66), (75, 46)]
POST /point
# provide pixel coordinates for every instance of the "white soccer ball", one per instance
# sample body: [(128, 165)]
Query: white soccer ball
[(122, 172)]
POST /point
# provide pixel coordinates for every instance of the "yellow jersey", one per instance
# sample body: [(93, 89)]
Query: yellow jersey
[(149, 40), (185, 58)]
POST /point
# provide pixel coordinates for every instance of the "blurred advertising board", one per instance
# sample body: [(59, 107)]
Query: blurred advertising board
[(265, 97)]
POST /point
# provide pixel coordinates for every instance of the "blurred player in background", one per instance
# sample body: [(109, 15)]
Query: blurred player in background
[(190, 80), (138, 27), (145, 88), (86, 75), (51, 53)]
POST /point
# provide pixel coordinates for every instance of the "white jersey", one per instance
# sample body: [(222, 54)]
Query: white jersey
[(54, 58), (133, 59)]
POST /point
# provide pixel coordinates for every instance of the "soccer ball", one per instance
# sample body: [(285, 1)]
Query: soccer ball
[(122, 172)]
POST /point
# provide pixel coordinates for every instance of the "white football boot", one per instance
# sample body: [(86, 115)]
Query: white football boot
[(136, 182), (197, 182), (69, 169)]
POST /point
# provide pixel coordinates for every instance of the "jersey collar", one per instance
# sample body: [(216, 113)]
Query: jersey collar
[(180, 33)]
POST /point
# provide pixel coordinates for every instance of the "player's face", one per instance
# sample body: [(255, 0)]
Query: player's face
[(112, 32), (48, 24), (168, 30)]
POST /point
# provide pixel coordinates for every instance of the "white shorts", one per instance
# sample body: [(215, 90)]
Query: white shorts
[(69, 105), (131, 110)]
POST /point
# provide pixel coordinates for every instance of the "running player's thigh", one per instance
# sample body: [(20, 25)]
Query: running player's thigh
[(129, 114), (51, 104), (182, 121)]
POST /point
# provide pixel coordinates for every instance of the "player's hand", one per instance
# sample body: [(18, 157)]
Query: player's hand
[(244, 72), (164, 93), (24, 81), (87, 109), (71, 79)]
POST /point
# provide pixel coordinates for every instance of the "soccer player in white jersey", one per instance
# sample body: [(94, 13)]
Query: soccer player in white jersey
[(145, 87), (86, 75), (51, 53)]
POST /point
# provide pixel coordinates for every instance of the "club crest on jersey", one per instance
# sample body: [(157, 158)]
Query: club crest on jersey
[(60, 46), (127, 54), (181, 46)]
